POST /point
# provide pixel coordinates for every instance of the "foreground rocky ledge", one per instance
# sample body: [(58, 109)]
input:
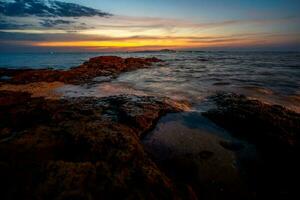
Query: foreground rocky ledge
[(84, 148), (259, 122), (94, 67), (275, 132), (90, 148)]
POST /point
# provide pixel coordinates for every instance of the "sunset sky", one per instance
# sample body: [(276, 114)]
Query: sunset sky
[(106, 25)]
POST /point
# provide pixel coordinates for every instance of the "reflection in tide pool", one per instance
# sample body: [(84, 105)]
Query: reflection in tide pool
[(191, 147)]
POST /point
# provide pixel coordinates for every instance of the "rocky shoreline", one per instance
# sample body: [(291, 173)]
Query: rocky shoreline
[(90, 148), (82, 148), (79, 148), (94, 67)]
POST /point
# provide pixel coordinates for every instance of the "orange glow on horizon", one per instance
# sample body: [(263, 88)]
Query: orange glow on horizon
[(172, 42), (125, 43), (140, 43)]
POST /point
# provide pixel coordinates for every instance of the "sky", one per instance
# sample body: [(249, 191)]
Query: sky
[(134, 25)]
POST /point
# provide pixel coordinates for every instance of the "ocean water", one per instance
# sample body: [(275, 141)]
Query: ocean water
[(273, 77)]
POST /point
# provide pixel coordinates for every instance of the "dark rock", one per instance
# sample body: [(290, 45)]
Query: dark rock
[(261, 123), (206, 154), (203, 59), (7, 74), (86, 148), (5, 78), (233, 146), (274, 130)]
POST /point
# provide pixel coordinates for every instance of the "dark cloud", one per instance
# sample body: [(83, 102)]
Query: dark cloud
[(49, 23), (60, 24), (47, 8), (11, 25), (69, 36), (67, 25)]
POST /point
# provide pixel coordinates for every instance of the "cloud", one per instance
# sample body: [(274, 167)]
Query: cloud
[(56, 15), (54, 23), (49, 23), (46, 14), (47, 8), (9, 25), (75, 39)]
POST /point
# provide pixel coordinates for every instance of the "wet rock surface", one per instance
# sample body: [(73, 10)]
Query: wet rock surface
[(187, 147), (94, 67), (274, 130), (83, 148), (261, 123)]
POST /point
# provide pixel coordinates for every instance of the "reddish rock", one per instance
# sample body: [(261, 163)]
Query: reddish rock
[(98, 66), (86, 148), (39, 75)]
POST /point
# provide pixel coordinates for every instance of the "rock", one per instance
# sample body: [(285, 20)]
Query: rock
[(153, 59), (94, 67), (203, 59), (259, 122), (84, 148), (206, 182), (5, 78), (36, 75), (11, 72), (206, 154), (233, 146), (101, 79), (274, 130), (36, 89)]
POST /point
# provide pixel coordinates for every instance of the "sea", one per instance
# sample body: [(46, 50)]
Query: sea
[(272, 77)]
